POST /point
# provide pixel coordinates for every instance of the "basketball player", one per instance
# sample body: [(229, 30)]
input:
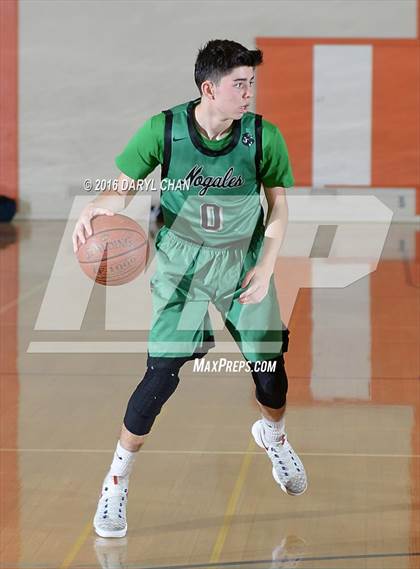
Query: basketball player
[(214, 247)]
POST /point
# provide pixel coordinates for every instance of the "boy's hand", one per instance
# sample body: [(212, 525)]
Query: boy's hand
[(259, 279), (83, 228)]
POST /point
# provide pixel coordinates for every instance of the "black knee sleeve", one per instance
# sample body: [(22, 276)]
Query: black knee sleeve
[(270, 381), (158, 384), (285, 340)]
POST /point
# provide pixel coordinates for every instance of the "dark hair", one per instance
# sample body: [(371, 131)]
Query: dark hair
[(219, 57)]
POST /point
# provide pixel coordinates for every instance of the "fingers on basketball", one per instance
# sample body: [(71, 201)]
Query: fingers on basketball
[(116, 252)]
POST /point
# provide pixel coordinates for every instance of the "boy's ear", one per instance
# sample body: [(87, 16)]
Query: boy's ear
[(207, 89)]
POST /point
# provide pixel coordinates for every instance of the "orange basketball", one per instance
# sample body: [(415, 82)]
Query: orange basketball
[(116, 252)]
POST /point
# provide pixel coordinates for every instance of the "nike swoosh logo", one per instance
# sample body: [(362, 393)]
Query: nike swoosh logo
[(176, 139)]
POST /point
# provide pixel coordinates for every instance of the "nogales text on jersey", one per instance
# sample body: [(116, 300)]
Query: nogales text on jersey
[(228, 180)]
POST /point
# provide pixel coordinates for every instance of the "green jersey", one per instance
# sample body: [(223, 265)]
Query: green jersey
[(210, 189)]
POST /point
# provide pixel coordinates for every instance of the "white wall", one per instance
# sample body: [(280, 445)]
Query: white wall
[(91, 72)]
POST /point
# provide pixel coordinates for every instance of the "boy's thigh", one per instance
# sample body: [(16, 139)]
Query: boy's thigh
[(179, 328), (257, 328), (181, 324)]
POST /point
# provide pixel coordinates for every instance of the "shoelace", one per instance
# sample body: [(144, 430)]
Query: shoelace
[(114, 508), (285, 458)]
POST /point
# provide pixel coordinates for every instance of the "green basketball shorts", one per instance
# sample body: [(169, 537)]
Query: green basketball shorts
[(187, 278)]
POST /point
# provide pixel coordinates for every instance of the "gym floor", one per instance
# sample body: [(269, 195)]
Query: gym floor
[(201, 494)]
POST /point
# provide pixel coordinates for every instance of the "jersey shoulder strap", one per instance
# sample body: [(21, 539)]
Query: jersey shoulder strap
[(258, 144), (167, 137), (167, 142)]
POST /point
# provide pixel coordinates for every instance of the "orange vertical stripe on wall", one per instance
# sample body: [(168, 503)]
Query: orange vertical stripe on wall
[(9, 404), (395, 115), (9, 98), (284, 97), (9, 256)]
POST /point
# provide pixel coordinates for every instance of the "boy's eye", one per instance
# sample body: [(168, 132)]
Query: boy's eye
[(240, 85)]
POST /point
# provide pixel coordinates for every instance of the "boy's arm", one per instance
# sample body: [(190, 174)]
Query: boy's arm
[(276, 174), (259, 276), (107, 203), (139, 158), (118, 199), (277, 219)]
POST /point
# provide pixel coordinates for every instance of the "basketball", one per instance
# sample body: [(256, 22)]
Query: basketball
[(116, 252)]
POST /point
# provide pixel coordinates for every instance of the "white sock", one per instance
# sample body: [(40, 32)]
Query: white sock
[(123, 462), (273, 430)]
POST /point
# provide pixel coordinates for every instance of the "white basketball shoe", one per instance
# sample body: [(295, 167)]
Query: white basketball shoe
[(110, 518), (288, 470)]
